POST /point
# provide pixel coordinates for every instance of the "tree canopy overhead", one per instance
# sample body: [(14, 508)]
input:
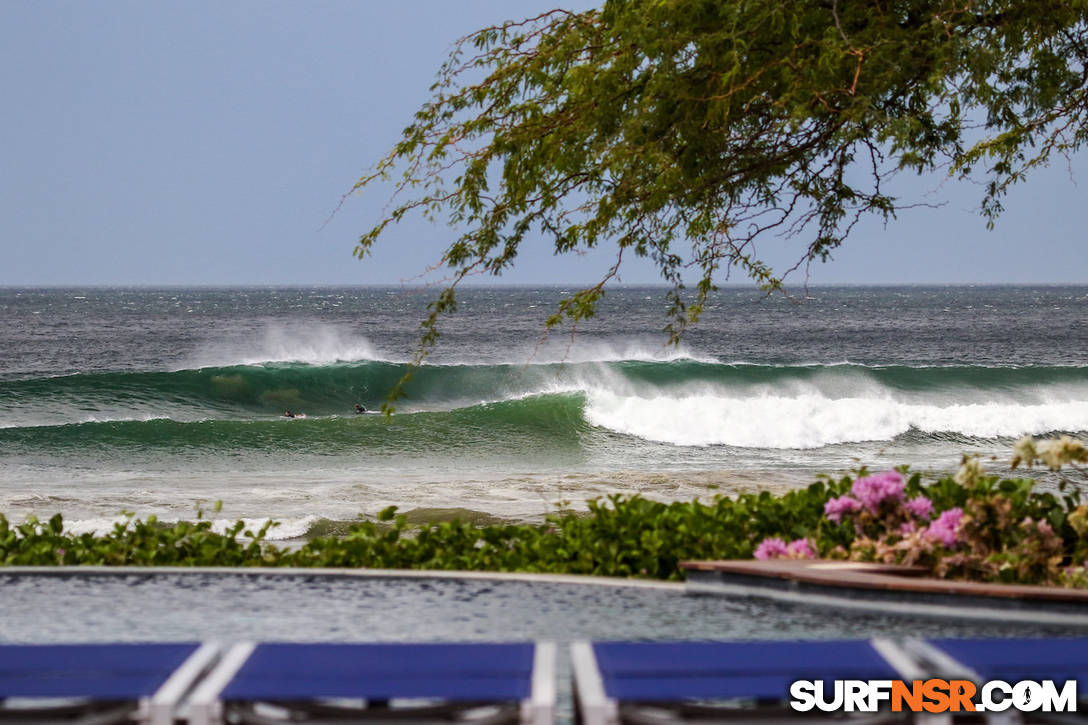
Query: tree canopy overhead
[(686, 130)]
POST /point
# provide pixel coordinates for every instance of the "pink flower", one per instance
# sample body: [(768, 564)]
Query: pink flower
[(908, 528), (771, 548), (946, 528), (877, 488), (800, 549), (775, 548), (836, 507), (920, 506)]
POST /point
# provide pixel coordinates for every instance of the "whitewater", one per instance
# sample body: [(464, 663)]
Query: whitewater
[(166, 401)]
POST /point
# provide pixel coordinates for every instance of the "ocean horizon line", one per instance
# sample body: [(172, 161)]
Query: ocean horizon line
[(737, 286)]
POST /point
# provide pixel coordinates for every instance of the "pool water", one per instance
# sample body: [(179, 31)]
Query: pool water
[(234, 607)]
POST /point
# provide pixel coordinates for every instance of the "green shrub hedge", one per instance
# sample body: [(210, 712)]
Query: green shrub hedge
[(625, 536)]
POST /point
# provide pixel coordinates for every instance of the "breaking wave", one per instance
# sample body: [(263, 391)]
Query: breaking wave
[(681, 401)]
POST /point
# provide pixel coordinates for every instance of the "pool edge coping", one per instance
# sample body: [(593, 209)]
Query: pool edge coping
[(528, 577)]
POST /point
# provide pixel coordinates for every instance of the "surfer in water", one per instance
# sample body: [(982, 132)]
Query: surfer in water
[(359, 409), (288, 414)]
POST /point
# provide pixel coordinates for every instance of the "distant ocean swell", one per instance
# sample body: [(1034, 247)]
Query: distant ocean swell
[(682, 402)]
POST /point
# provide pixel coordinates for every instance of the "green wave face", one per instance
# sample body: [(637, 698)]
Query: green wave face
[(543, 424), (260, 390), (333, 389)]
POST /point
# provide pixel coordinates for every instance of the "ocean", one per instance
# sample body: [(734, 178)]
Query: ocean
[(165, 401)]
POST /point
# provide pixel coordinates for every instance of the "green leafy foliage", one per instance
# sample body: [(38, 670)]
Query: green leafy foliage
[(684, 131), (1010, 533), (618, 536), (135, 543)]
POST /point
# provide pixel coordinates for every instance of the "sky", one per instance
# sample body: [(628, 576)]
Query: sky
[(207, 143)]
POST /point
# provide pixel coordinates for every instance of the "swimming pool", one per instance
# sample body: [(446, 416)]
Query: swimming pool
[(175, 604), (274, 605)]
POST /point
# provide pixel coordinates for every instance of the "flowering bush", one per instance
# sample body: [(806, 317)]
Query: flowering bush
[(775, 548), (836, 507), (1055, 453), (920, 507), (945, 530), (877, 504), (879, 490), (771, 548), (967, 526)]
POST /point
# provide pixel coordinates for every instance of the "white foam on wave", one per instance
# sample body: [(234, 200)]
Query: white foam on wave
[(325, 344), (311, 344), (108, 418), (286, 529), (40, 419), (94, 526), (813, 420)]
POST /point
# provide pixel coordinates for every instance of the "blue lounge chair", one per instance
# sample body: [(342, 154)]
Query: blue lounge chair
[(674, 681), (1008, 660), (99, 683), (419, 682)]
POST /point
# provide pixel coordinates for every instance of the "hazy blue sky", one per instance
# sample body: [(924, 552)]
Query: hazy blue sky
[(202, 142)]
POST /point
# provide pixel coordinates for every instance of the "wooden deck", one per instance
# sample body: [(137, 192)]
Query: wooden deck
[(886, 588)]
